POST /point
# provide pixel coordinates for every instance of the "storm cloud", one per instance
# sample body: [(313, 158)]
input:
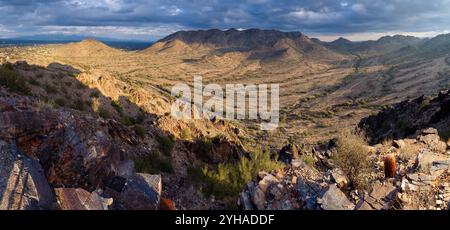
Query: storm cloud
[(153, 19)]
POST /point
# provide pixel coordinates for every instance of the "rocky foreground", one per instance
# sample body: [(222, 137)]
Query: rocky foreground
[(419, 181), (57, 159)]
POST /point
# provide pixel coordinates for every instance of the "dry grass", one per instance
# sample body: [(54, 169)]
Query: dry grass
[(409, 152), (351, 158)]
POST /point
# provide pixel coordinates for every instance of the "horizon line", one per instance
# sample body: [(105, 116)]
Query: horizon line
[(353, 37)]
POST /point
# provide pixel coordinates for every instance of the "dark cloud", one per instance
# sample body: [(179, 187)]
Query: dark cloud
[(156, 18)]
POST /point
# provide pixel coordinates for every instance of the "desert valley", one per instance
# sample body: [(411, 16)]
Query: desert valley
[(87, 126)]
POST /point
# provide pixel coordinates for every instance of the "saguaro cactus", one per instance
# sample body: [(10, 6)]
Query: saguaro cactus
[(389, 166)]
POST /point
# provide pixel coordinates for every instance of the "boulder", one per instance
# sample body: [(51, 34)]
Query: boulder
[(275, 191), (339, 178), (23, 185), (80, 199), (429, 162), (429, 131), (245, 201), (419, 182), (335, 199), (382, 197), (434, 142), (266, 182), (259, 199), (308, 191), (142, 192)]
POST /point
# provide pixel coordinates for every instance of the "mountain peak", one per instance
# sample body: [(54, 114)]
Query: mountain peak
[(251, 38), (341, 40)]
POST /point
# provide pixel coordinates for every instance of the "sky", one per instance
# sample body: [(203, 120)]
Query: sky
[(150, 20)]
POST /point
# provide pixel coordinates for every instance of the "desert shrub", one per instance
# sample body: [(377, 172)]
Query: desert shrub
[(166, 144), (402, 125), (61, 102), (117, 107), (140, 118), (186, 134), (139, 130), (351, 158), (444, 134), (203, 147), (153, 164), (228, 179), (50, 89), (34, 82), (409, 152), (45, 104), (309, 160), (127, 121), (95, 94), (78, 105), (103, 113), (81, 86), (12, 80)]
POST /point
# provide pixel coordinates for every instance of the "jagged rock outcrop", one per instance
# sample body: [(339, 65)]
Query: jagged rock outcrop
[(407, 118), (83, 158), (23, 185), (80, 199)]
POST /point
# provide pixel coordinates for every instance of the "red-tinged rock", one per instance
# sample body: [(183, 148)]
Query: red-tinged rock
[(74, 150), (167, 205)]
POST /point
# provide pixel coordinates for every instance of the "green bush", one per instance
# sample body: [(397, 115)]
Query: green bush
[(81, 86), (153, 164), (186, 134), (140, 118), (103, 113), (95, 94), (203, 148), (11, 79), (309, 160), (139, 130), (117, 107), (351, 158), (228, 179), (50, 89), (61, 102), (34, 82), (128, 121), (78, 105), (166, 144)]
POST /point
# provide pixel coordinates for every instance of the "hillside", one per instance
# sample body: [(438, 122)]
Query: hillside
[(123, 97)]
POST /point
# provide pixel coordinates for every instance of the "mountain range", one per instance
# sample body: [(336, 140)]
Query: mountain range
[(101, 128)]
